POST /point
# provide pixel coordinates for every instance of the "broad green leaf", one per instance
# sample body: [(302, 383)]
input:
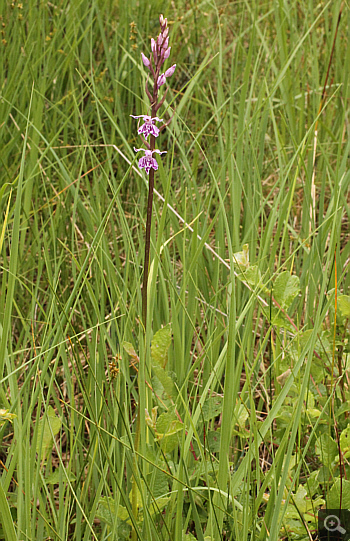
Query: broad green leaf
[(323, 475), (278, 319), (322, 344), (165, 380), (188, 536), (160, 484), (240, 415), (213, 440), (158, 504), (49, 426), (251, 275), (167, 428), (313, 483), (299, 499), (138, 495), (334, 495), (129, 348), (241, 259), (296, 529), (54, 478), (106, 511), (160, 392), (345, 441), (344, 305), (285, 289), (165, 419), (326, 449), (212, 407), (342, 409), (313, 412), (282, 378), (160, 344)]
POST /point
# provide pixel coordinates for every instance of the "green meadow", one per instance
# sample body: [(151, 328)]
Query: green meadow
[(228, 417)]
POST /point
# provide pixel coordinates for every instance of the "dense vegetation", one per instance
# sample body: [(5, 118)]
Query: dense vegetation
[(240, 388)]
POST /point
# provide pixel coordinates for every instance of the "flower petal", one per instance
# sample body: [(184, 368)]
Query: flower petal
[(145, 60), (161, 80), (170, 71)]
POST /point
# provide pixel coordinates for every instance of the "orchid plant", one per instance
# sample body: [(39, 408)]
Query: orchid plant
[(160, 52), (149, 131)]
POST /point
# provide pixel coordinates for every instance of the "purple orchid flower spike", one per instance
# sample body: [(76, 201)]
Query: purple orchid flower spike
[(148, 127), (159, 53), (147, 161)]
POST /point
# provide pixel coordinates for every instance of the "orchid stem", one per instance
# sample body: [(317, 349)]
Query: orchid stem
[(160, 52), (148, 238)]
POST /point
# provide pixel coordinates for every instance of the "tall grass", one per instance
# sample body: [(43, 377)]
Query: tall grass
[(257, 156)]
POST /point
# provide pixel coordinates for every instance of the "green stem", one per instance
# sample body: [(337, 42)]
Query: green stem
[(148, 224), (147, 245)]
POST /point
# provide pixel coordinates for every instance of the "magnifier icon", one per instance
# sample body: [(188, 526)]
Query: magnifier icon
[(332, 524)]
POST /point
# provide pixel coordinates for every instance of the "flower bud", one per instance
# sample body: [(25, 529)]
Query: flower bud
[(160, 40), (145, 60), (154, 50), (161, 20), (161, 80), (170, 71), (167, 53), (165, 33), (165, 43)]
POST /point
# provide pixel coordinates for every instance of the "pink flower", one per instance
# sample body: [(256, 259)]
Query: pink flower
[(170, 71), (148, 127), (154, 50), (145, 60), (164, 55), (147, 161), (162, 78), (160, 40)]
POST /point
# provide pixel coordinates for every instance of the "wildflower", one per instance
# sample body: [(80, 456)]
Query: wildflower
[(165, 54), (145, 60), (148, 127), (154, 50), (163, 22), (162, 78), (170, 71), (147, 161)]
